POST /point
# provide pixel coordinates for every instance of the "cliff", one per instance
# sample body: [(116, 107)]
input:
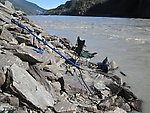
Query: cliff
[(118, 8)]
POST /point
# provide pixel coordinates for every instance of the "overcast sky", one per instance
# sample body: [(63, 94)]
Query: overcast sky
[(48, 4)]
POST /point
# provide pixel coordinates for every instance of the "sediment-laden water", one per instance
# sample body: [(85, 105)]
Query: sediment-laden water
[(125, 40)]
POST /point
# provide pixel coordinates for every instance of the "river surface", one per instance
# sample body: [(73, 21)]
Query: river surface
[(124, 40)]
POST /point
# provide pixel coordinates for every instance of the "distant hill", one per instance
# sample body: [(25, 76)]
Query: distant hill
[(119, 8), (27, 7)]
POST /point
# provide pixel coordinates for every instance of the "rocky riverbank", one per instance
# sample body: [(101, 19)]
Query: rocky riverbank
[(34, 79)]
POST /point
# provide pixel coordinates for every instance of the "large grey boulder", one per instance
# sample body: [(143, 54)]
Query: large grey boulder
[(65, 107), (28, 54), (39, 76), (8, 60), (7, 36), (10, 6), (5, 13), (31, 91)]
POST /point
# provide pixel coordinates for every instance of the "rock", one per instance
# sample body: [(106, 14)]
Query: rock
[(6, 35), (119, 110), (7, 60), (10, 6), (6, 12), (2, 23), (20, 13), (48, 111), (2, 78), (57, 44), (5, 19), (66, 43), (127, 94), (137, 105), (28, 54), (13, 28), (65, 107), (22, 39), (29, 90), (39, 76), (105, 105), (99, 85), (113, 65), (57, 85), (74, 82), (120, 102), (25, 18), (126, 107), (12, 100), (5, 16), (5, 107), (102, 83)]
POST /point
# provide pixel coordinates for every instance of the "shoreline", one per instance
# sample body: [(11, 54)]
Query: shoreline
[(45, 83)]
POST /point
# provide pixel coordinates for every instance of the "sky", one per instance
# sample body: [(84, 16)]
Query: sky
[(48, 4)]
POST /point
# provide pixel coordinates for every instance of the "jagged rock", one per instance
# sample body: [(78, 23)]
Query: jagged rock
[(119, 110), (39, 76), (127, 94), (105, 105), (7, 60), (28, 54), (22, 39), (74, 82), (126, 107), (99, 85), (137, 105), (13, 28), (115, 78), (12, 100), (10, 6), (65, 107), (5, 107), (6, 35), (57, 44), (2, 23), (20, 13), (2, 78), (6, 11), (29, 90), (5, 16), (66, 43), (25, 18), (113, 65), (37, 30), (48, 111), (35, 42), (57, 85), (120, 102)]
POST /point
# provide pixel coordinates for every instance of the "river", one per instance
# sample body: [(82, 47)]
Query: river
[(124, 40)]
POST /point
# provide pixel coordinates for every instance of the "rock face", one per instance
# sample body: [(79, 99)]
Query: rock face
[(121, 8), (34, 79), (30, 88)]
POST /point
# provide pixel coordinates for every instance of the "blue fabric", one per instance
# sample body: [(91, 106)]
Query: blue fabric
[(38, 51), (99, 63)]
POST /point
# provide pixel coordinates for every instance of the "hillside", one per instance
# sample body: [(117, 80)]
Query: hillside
[(27, 7), (119, 8)]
